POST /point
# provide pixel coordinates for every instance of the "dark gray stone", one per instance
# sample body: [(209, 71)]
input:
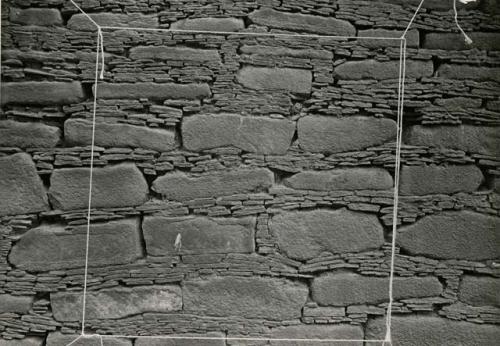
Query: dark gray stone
[(480, 290), (28, 135), (308, 53), (80, 21), (286, 79), (455, 41), (35, 16), (412, 38), (185, 342), (59, 339), (467, 72), (153, 91), (209, 24), (170, 53), (15, 304), (380, 70), (41, 93)]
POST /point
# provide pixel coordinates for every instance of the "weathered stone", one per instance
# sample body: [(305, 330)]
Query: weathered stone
[(117, 302), (79, 132), (373, 69), (198, 235), (283, 51), (181, 187), (153, 91), (21, 188), (28, 341), (334, 135), (302, 22), (454, 41), (426, 180), (412, 38), (41, 93), (341, 179), (471, 139), (15, 304), (467, 72), (480, 290), (59, 339), (343, 289), (287, 79), (253, 297), (304, 235), (174, 53), (453, 235), (431, 330), (53, 247), (80, 21), (185, 342), (459, 103), (69, 187), (209, 24), (253, 134), (318, 332), (28, 135), (35, 16)]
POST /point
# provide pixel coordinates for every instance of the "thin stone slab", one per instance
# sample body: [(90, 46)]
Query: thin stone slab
[(380, 70), (152, 91), (209, 24), (169, 53), (80, 21), (185, 339)]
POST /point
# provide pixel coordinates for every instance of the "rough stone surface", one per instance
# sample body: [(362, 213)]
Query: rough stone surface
[(79, 132), (343, 289), (209, 24), (153, 91), (325, 332), (453, 235), (181, 187), (185, 342), (169, 53), (15, 304), (480, 290), (80, 21), (373, 69), (426, 180), (59, 339), (69, 187), (35, 16), (117, 302), (304, 235), (462, 71), (28, 341), (198, 235), (412, 38), (286, 79), (254, 297), (290, 52), (341, 179), (50, 247), (455, 41), (335, 135), (21, 188), (28, 135), (41, 93), (302, 22), (253, 134)]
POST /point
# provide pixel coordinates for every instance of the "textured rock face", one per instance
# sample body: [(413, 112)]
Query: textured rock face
[(325, 332), (135, 20), (342, 179), (480, 290), (290, 52), (69, 187), (343, 289), (36, 16), (153, 91), (198, 235), (372, 69), (174, 53), (28, 135), (186, 341), (252, 134), (29, 341), (412, 38), (336, 135), (209, 24), (302, 22), (453, 41), (304, 235), (15, 304), (79, 132), (286, 79), (116, 302), (181, 187), (449, 235), (59, 339), (21, 188), (255, 297), (52, 247), (456, 71), (41, 93), (426, 180)]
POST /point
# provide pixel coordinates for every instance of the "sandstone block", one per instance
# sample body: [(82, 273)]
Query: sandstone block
[(53, 247), (304, 235), (286, 79), (59, 339), (209, 24), (80, 21), (380, 70), (79, 132), (28, 135), (117, 302), (467, 72), (41, 93), (248, 297), (335, 135), (69, 187), (480, 290), (185, 342), (454, 41), (15, 304), (153, 91), (181, 187), (453, 235), (174, 53), (412, 38), (21, 188), (253, 134), (35, 16), (283, 51), (28, 341)]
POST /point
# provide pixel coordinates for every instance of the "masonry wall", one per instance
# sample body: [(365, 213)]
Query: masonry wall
[(243, 184)]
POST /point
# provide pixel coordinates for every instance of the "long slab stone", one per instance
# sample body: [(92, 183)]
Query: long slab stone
[(41, 93), (307, 53), (153, 91), (60, 339), (185, 339), (174, 53), (28, 341), (35, 16), (278, 78), (479, 290), (209, 24), (454, 41), (15, 304), (80, 21), (28, 135), (380, 70), (412, 38), (468, 72)]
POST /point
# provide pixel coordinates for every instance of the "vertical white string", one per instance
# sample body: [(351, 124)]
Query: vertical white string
[(412, 19), (101, 47), (468, 40)]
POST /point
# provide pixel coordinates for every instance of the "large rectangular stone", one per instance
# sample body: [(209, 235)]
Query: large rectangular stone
[(170, 53), (286, 79), (209, 24), (60, 339), (35, 16), (28, 135), (80, 21), (185, 339), (380, 70), (41, 93), (153, 91), (480, 290), (412, 38), (15, 304), (467, 72), (455, 41)]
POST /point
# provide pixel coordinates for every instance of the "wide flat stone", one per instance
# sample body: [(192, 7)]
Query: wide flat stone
[(79, 132), (35, 16), (454, 41), (80, 21), (286, 79), (41, 93), (21, 188), (174, 53), (198, 235), (248, 297), (316, 331), (304, 235), (188, 341), (28, 135), (380, 70), (412, 38), (308, 53), (479, 290), (152, 91), (51, 247), (453, 235), (253, 134), (335, 135), (209, 24), (28, 341), (15, 304), (69, 187), (59, 339), (182, 187), (468, 72), (117, 302)]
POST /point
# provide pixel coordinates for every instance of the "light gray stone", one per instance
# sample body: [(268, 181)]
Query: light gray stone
[(286, 79), (302, 22), (69, 187), (28, 341), (253, 134), (209, 24), (304, 235), (467, 72), (412, 38), (182, 187), (335, 135), (51, 247), (35, 16), (453, 235), (59, 339), (480, 290), (153, 91), (186, 341), (248, 297), (79, 132), (80, 21), (454, 41), (117, 302), (170, 53), (380, 70), (427, 180), (15, 304), (21, 188), (41, 93), (28, 135), (198, 235), (322, 332), (284, 51)]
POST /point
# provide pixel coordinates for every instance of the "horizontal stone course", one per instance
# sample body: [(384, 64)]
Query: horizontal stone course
[(412, 38), (467, 72), (285, 51), (480, 290), (286, 79), (209, 24), (169, 53), (454, 41), (185, 339), (80, 21), (35, 16), (380, 70), (153, 91), (28, 135), (41, 93), (60, 339)]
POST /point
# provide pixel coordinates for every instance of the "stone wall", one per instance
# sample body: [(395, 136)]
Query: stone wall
[(243, 184)]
